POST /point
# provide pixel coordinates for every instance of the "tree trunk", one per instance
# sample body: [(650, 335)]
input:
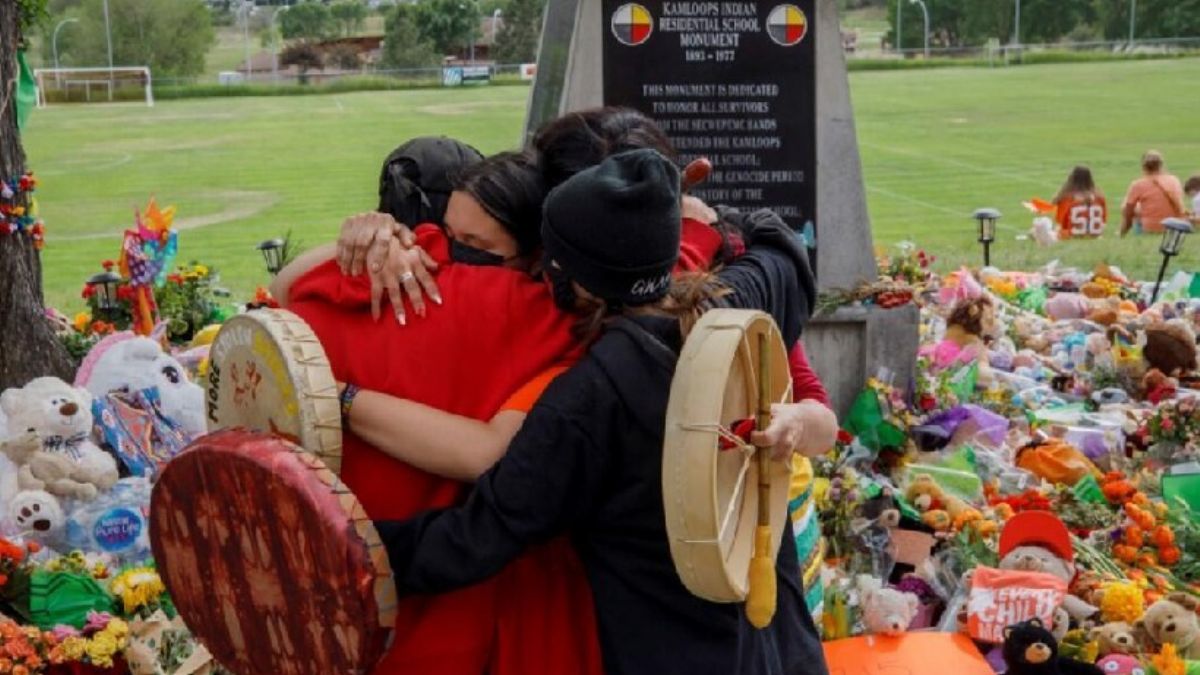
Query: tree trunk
[(28, 346)]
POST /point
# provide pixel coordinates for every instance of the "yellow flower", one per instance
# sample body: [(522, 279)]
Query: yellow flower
[(118, 630), (138, 588), (73, 648), (201, 270), (1121, 601), (82, 321), (100, 649)]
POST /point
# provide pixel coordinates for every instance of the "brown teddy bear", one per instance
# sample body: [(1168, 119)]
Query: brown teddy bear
[(1116, 638), (1157, 387), (1171, 347), (971, 324), (1172, 620)]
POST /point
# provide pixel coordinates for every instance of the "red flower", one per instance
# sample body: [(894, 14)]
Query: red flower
[(176, 279), (927, 402), (88, 292), (125, 292), (108, 265), (844, 437)]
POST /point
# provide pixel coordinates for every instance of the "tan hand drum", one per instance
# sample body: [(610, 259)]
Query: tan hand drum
[(271, 561), (712, 496), (268, 372)]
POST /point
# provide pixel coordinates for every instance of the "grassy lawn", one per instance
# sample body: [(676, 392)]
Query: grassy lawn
[(935, 146)]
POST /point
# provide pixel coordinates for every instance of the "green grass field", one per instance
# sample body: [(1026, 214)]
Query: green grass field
[(935, 145)]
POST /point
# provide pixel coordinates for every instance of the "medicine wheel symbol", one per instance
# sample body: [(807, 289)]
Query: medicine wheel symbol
[(632, 24), (787, 25)]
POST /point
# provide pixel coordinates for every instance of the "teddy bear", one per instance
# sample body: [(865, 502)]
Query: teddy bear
[(37, 514), (942, 511), (1172, 620), (971, 324), (1030, 649), (886, 611), (1117, 637), (1066, 306), (1038, 541), (61, 417), (126, 362), (1157, 387), (53, 472), (1170, 347)]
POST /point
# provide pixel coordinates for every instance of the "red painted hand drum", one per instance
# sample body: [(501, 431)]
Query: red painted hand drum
[(271, 561)]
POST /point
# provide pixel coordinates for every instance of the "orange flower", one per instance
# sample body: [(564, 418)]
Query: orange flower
[(1134, 537), (1169, 555), (1163, 536), (33, 546)]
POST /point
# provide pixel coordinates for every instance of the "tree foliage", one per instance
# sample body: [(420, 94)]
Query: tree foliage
[(172, 37), (308, 20), (449, 25), (403, 44), (344, 56), (958, 23), (517, 41), (349, 16)]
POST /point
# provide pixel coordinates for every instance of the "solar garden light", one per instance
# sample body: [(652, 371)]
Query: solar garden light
[(1174, 230), (272, 252), (986, 218), (104, 289)]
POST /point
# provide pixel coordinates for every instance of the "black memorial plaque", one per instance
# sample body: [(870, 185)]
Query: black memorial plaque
[(731, 81)]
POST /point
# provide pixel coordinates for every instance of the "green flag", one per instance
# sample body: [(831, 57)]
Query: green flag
[(26, 97)]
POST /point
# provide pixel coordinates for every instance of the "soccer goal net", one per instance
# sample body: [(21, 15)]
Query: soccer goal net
[(93, 85)]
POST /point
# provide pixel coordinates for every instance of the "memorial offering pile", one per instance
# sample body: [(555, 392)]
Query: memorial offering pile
[(1044, 467), (79, 590)]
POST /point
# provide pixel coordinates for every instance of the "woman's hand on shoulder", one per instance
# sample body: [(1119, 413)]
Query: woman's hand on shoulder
[(363, 241), (403, 272)]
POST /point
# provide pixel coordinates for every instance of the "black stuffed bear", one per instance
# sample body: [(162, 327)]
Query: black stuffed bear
[(1030, 649)]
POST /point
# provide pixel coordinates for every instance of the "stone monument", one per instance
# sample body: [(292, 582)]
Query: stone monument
[(761, 89)]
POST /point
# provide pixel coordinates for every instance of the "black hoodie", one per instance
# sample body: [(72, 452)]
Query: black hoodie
[(588, 461)]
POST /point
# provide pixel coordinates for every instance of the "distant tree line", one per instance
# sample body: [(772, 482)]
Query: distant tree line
[(959, 23), (173, 37)]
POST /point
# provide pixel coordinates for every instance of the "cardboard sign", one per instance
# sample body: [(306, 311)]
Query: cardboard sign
[(1001, 598), (909, 654), (912, 548)]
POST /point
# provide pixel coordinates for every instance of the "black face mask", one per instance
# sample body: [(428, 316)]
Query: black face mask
[(561, 289), (469, 255)]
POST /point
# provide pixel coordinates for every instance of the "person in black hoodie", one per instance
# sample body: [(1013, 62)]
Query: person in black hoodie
[(588, 459)]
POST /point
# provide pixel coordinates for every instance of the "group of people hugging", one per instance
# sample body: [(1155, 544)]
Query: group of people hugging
[(505, 349)]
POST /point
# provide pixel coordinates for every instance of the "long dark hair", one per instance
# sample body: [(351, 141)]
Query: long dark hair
[(690, 295), (509, 186), (580, 140), (1079, 181)]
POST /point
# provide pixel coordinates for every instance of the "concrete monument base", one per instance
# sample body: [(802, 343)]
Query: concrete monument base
[(856, 343)]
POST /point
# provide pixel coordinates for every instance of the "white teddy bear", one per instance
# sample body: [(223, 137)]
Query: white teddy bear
[(36, 514), (124, 362), (61, 416)]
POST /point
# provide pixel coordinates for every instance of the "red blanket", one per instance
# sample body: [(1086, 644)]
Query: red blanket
[(497, 330)]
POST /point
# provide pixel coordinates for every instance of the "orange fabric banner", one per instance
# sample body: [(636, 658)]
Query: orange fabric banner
[(909, 654)]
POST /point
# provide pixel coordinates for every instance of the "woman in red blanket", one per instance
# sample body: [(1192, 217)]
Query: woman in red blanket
[(496, 331)]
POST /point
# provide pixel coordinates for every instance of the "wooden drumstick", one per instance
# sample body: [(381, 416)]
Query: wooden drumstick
[(760, 605)]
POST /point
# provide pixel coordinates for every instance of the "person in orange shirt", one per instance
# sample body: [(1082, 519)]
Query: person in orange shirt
[(1081, 208), (1154, 197)]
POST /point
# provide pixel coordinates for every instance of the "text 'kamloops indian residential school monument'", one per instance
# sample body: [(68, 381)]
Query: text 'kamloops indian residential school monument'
[(759, 88)]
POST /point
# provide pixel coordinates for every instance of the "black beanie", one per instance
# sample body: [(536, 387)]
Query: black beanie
[(614, 228)]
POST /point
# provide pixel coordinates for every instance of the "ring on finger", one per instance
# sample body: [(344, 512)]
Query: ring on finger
[(407, 277)]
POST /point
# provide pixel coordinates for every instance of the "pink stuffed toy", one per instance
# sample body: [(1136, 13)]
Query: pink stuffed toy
[(1120, 664)]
